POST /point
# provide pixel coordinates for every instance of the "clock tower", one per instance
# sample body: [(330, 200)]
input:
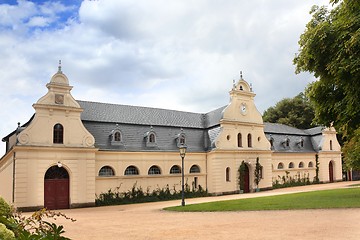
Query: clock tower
[(241, 116), (241, 139)]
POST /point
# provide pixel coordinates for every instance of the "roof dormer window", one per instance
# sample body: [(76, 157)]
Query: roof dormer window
[(301, 142), (181, 139), (286, 142), (271, 140), (116, 136), (150, 138)]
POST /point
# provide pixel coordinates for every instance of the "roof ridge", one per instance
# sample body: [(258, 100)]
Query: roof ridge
[(138, 106)]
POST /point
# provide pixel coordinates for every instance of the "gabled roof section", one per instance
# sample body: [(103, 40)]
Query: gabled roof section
[(314, 131), (116, 113), (213, 118), (282, 129), (6, 138)]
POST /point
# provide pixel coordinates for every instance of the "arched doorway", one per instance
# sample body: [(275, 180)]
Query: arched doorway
[(56, 188), (247, 179), (331, 172)]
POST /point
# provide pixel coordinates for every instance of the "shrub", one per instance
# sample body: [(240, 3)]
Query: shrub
[(15, 226), (6, 234), (137, 195), (5, 209), (288, 181)]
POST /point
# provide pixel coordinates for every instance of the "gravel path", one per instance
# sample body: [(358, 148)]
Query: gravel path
[(149, 221)]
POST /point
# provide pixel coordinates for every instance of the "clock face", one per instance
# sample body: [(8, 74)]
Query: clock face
[(243, 108)]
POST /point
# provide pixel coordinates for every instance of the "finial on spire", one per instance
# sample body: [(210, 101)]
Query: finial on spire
[(59, 67), (241, 77)]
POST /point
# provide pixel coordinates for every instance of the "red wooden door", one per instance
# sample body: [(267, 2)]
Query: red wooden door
[(56, 188), (56, 193), (331, 172), (247, 180)]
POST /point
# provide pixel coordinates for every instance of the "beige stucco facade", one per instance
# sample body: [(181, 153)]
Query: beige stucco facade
[(33, 150)]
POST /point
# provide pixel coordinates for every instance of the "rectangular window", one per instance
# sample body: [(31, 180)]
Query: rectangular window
[(195, 182)]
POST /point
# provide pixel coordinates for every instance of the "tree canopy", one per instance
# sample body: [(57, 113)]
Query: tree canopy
[(296, 112), (330, 49)]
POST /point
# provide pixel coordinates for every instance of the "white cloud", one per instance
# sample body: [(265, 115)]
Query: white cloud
[(167, 54)]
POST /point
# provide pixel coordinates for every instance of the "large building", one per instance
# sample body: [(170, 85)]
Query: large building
[(71, 150)]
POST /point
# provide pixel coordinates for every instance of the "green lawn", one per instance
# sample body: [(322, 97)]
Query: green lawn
[(338, 198)]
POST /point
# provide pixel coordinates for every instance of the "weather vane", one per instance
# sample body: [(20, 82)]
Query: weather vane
[(59, 68)]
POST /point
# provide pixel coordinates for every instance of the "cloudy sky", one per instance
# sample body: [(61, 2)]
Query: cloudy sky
[(180, 54)]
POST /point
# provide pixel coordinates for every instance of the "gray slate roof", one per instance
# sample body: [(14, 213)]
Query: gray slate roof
[(279, 133), (201, 129), (115, 113)]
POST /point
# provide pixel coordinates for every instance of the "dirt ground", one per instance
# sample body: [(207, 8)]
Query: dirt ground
[(149, 221)]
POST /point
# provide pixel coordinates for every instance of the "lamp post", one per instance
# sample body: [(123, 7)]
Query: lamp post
[(182, 150)]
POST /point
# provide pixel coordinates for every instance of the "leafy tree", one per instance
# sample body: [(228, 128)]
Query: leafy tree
[(330, 49), (296, 112), (257, 173), (352, 150), (241, 179)]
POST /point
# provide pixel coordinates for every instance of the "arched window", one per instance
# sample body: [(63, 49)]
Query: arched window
[(331, 145), (194, 169), (152, 138), (182, 140), (301, 142), (175, 169), (239, 139), (227, 173), (117, 136), (311, 164), (131, 170), (287, 142), (154, 170), (106, 171), (249, 140), (301, 165), (56, 172), (280, 166), (58, 135), (291, 165)]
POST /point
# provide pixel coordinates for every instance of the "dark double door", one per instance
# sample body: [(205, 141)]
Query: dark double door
[(246, 180), (56, 188), (331, 172)]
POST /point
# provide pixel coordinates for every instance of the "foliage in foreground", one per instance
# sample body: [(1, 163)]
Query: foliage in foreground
[(15, 226), (326, 199), (137, 195)]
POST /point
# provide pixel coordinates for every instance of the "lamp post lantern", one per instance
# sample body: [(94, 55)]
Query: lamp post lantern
[(182, 150)]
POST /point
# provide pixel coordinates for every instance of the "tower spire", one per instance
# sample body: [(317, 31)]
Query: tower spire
[(59, 67)]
